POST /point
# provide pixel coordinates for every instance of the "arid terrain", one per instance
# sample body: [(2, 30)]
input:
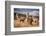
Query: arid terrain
[(22, 20)]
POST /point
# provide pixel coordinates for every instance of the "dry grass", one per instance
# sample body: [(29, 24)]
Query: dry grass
[(25, 22)]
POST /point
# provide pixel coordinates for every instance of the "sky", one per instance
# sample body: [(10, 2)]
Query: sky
[(25, 10)]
